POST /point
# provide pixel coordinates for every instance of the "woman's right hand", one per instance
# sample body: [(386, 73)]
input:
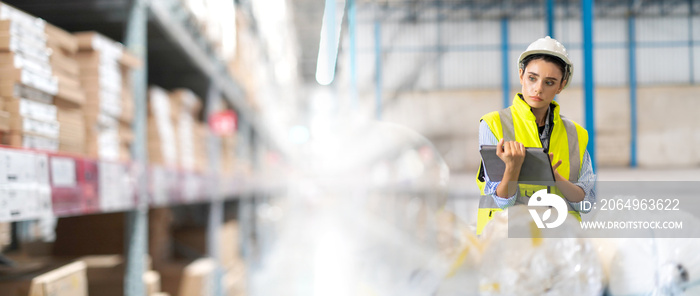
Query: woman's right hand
[(512, 153)]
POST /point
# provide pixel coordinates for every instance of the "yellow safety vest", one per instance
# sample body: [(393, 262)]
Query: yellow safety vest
[(568, 142)]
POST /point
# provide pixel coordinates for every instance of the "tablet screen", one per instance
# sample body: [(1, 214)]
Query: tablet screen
[(536, 167)]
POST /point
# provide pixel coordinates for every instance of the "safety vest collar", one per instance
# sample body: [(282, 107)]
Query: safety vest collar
[(522, 108)]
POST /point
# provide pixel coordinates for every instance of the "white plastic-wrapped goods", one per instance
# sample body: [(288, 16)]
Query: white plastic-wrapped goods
[(548, 262), (658, 266)]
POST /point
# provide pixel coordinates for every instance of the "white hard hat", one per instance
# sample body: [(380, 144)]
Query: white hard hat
[(549, 46)]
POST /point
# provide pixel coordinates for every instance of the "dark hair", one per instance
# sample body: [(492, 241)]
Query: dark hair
[(547, 58)]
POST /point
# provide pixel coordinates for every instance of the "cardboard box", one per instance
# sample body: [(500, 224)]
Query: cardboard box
[(19, 107), (19, 90), (30, 141), (41, 82), (105, 275), (130, 60), (34, 27), (198, 277), (184, 100), (187, 279), (102, 143), (64, 64), (4, 121), (5, 235), (72, 133), (93, 41), (234, 281), (33, 46), (67, 280), (27, 125), (159, 235), (194, 239), (102, 101), (66, 41), (22, 61)]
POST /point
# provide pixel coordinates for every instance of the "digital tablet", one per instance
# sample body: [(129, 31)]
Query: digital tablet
[(536, 167)]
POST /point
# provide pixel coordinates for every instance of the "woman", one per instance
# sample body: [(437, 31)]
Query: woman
[(533, 120)]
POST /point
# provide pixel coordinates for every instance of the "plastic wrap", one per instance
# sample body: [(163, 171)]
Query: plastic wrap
[(657, 266), (540, 265)]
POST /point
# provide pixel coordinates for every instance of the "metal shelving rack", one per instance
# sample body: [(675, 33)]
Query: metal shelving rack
[(159, 32)]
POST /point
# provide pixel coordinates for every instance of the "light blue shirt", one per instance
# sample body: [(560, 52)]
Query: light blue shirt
[(586, 177)]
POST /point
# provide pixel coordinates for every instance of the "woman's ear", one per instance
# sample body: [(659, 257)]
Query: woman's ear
[(520, 75), (561, 86)]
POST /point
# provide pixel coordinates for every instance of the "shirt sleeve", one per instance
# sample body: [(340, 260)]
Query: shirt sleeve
[(586, 180), (486, 137)]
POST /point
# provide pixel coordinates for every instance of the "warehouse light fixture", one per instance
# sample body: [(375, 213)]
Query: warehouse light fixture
[(330, 37)]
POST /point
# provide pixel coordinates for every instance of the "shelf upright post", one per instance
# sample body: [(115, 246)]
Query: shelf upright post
[(137, 219), (216, 207), (246, 206)]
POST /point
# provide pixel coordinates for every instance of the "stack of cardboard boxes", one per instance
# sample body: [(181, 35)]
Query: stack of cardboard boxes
[(228, 156), (105, 73), (70, 98), (185, 109), (162, 141), (52, 280), (27, 83), (201, 159)]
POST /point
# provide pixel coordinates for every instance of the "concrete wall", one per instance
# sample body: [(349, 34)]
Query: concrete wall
[(668, 123)]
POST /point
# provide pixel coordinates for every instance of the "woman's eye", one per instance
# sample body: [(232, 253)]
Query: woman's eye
[(532, 78), (550, 83)]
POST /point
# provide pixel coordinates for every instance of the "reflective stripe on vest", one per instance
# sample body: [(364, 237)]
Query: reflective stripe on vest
[(505, 124)]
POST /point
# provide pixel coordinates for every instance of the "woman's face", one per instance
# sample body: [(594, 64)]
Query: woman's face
[(541, 81)]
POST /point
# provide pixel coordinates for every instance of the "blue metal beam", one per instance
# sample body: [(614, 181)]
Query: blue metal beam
[(632, 63), (504, 60), (378, 67), (589, 106), (352, 27), (550, 18)]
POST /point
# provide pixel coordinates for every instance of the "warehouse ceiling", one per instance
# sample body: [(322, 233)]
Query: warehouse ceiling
[(109, 16)]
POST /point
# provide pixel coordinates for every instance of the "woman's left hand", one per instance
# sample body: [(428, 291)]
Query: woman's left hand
[(557, 177)]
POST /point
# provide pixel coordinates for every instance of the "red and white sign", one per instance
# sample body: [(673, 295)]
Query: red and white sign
[(223, 122)]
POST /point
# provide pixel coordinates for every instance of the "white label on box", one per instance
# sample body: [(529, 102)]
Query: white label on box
[(44, 203), (19, 167), (11, 209), (159, 102), (37, 110), (63, 172), (110, 84), (10, 13), (21, 29), (23, 91), (42, 168), (110, 104), (49, 86), (26, 62), (25, 39), (49, 129), (21, 202), (30, 47), (107, 47), (112, 180), (107, 122), (41, 143), (159, 186)]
